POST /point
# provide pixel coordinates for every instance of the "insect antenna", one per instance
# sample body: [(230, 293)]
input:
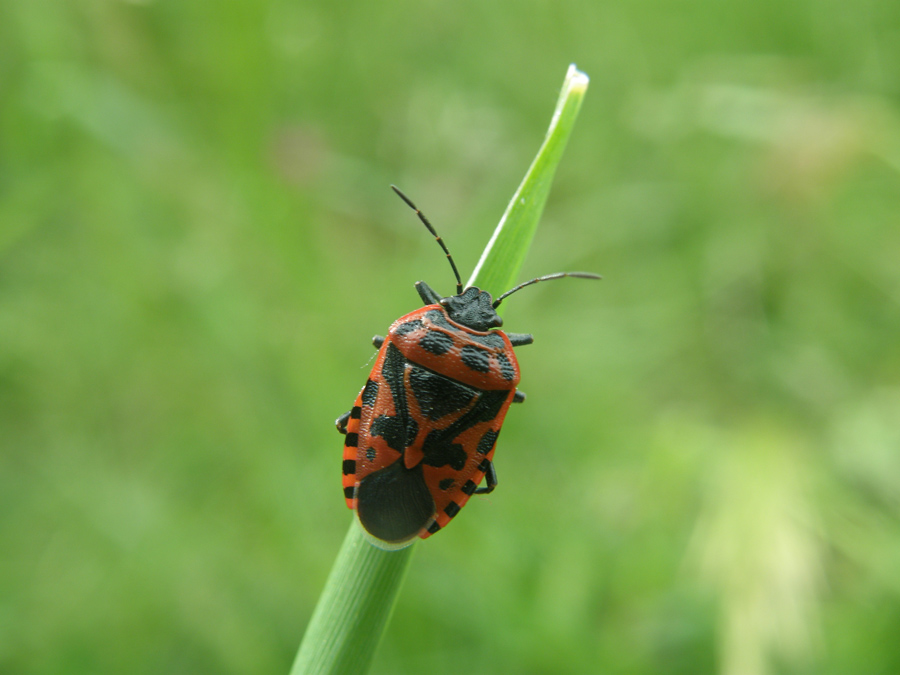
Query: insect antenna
[(459, 286), (547, 277)]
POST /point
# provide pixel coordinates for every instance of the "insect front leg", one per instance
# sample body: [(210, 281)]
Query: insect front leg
[(491, 477), (428, 295), (341, 422), (519, 339)]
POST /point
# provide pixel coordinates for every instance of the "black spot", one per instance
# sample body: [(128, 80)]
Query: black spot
[(436, 342), (437, 317), (439, 451), (506, 367), (491, 341), (475, 358), (434, 527), (452, 509), (484, 466), (349, 492), (487, 441), (394, 503), (446, 484), (355, 412), (369, 393), (408, 327), (371, 454), (438, 395), (394, 432), (349, 467), (398, 430), (486, 409), (469, 487), (439, 448), (392, 371), (351, 440)]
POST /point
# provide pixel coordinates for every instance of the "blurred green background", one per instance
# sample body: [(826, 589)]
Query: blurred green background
[(198, 241)]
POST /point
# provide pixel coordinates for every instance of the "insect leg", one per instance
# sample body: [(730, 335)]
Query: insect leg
[(428, 295), (341, 422), (491, 476), (519, 339)]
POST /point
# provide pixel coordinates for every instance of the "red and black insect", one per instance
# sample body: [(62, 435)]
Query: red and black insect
[(421, 435)]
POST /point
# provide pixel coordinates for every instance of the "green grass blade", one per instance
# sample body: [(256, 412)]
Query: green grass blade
[(362, 588), (502, 259), (353, 609)]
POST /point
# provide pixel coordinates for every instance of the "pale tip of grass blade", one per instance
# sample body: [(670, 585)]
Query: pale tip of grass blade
[(576, 79), (502, 259)]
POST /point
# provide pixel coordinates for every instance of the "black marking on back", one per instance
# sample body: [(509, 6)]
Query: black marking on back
[(397, 435), (408, 327), (351, 440), (491, 341), (452, 509), (355, 412), (439, 448), (371, 454), (349, 467), (469, 488), (439, 451), (434, 527), (436, 342), (506, 367), (475, 358), (349, 492), (446, 484), (370, 393), (398, 431), (438, 395), (437, 317), (487, 441), (394, 503)]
